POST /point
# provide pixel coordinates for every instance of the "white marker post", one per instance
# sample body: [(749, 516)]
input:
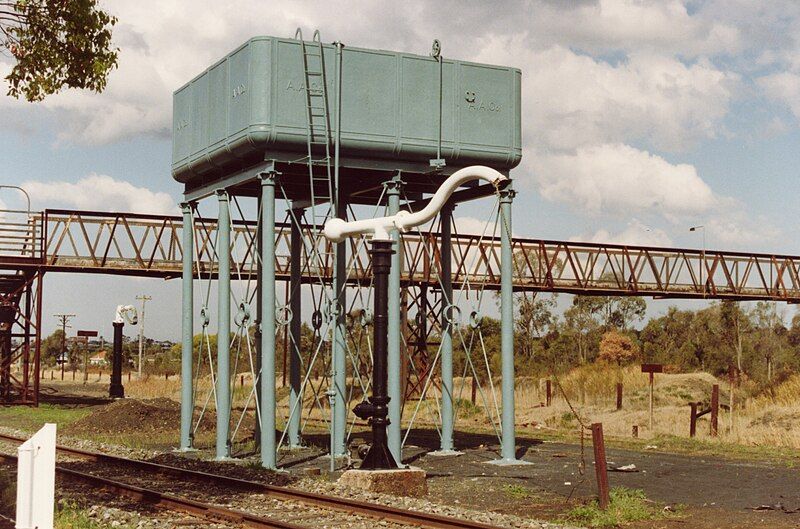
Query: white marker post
[(36, 480)]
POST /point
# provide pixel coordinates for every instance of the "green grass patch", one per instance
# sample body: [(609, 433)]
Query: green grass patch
[(31, 419), (71, 516), (627, 505), (518, 492)]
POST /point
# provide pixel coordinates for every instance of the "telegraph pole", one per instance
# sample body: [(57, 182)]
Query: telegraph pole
[(64, 321), (144, 299)]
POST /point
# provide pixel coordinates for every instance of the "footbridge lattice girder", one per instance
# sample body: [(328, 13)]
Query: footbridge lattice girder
[(150, 246)]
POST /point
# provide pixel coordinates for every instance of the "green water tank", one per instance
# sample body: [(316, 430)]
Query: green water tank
[(252, 105)]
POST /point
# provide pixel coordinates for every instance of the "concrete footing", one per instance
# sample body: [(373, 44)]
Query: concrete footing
[(400, 481)]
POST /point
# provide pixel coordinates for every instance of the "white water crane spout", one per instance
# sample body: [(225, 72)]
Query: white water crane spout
[(126, 312), (337, 230)]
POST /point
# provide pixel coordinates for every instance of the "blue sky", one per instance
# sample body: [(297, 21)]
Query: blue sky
[(640, 118)]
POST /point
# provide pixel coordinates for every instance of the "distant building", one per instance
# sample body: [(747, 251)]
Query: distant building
[(98, 359)]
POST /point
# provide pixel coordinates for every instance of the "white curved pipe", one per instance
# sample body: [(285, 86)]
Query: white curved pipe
[(126, 312), (338, 230)]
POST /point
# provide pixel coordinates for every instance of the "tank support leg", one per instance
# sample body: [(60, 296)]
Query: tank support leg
[(267, 286), (508, 445), (339, 350), (223, 449), (187, 330), (295, 328), (394, 351), (445, 246)]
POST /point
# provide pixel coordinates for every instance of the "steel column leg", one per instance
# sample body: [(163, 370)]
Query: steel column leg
[(295, 328), (223, 326), (394, 355), (508, 445), (187, 331), (446, 279), (267, 286), (339, 349)]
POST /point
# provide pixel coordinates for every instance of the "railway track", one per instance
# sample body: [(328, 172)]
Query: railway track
[(307, 500)]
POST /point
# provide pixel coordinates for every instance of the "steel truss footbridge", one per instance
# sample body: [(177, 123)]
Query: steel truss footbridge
[(129, 244)]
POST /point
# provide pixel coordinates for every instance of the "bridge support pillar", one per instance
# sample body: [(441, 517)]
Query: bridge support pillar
[(223, 449), (267, 286), (446, 279), (394, 350), (295, 328), (508, 444), (187, 329)]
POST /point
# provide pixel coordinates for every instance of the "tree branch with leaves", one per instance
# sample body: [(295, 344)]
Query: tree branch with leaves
[(56, 44)]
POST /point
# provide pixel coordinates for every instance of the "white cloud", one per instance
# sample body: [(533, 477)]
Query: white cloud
[(635, 233), (783, 87), (619, 179), (100, 193), (474, 226), (663, 25), (572, 100), (731, 228)]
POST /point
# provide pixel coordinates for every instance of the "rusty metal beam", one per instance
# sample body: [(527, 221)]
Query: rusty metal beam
[(149, 246)]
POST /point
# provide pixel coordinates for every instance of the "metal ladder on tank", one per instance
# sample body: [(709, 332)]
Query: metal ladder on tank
[(319, 123)]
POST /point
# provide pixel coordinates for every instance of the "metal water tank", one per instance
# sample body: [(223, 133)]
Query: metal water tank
[(252, 105)]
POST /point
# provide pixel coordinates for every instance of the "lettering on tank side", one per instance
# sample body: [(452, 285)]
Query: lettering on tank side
[(299, 86), (476, 104), (239, 90)]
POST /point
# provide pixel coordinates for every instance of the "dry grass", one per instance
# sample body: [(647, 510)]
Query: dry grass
[(766, 420)]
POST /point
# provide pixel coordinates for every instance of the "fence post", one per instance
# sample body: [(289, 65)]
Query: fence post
[(715, 410), (474, 393), (600, 465), (693, 419), (619, 395), (548, 392)]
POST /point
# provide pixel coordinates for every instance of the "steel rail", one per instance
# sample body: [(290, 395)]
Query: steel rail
[(372, 510), (169, 501)]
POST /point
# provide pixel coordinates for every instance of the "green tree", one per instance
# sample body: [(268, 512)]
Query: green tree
[(56, 44), (51, 346), (770, 334), (581, 324), (534, 318), (734, 323)]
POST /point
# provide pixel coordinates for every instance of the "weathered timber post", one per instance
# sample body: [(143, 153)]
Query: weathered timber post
[(600, 465), (548, 393), (715, 410)]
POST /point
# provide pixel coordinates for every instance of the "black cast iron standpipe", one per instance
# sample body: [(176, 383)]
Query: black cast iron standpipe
[(377, 411), (116, 391)]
